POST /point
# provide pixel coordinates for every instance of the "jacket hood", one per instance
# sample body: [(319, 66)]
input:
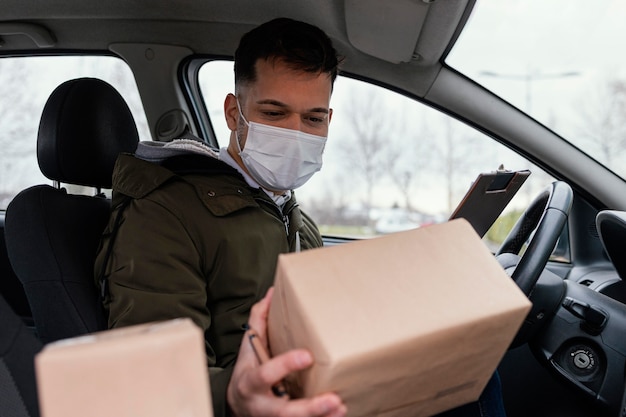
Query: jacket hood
[(135, 176), (157, 152)]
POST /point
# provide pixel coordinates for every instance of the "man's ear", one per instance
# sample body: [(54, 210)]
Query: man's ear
[(231, 112), (330, 115)]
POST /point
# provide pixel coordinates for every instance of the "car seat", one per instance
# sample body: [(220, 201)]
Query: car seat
[(18, 347), (51, 235)]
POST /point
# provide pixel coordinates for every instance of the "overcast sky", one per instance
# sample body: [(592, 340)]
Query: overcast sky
[(542, 40)]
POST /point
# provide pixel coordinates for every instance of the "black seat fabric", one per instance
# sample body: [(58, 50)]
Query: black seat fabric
[(18, 347), (52, 236)]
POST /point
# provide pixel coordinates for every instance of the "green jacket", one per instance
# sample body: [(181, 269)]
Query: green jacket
[(194, 240)]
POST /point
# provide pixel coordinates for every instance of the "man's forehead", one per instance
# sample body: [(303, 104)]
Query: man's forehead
[(278, 103), (286, 87)]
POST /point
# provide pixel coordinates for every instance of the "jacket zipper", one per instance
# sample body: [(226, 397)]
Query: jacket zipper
[(286, 223), (283, 216)]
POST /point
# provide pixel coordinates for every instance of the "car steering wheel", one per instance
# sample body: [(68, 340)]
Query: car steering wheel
[(546, 216)]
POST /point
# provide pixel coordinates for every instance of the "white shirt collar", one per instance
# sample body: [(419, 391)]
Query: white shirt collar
[(280, 200)]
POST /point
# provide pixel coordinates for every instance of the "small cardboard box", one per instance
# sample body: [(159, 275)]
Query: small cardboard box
[(408, 324), (156, 370)]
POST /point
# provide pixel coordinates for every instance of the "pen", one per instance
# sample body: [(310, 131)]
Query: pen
[(261, 354)]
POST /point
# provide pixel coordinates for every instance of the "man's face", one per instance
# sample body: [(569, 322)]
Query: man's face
[(281, 97)]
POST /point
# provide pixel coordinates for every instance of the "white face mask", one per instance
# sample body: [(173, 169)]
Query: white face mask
[(280, 159)]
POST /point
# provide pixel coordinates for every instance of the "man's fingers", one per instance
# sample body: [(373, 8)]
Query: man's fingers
[(259, 312), (276, 369), (325, 405), (250, 388)]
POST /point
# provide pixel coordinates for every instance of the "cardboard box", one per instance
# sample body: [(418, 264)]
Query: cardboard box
[(412, 323), (156, 370)]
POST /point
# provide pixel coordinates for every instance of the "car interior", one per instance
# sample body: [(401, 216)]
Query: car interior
[(84, 126), (18, 347), (563, 249)]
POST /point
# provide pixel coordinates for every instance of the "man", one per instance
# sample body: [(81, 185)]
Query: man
[(197, 234)]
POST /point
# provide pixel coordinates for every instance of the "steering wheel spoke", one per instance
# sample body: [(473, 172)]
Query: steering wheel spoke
[(542, 222)]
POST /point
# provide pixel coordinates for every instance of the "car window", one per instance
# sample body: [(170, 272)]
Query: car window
[(27, 82), (390, 163), (538, 71)]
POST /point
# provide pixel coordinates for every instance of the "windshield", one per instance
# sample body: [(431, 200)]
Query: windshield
[(560, 61)]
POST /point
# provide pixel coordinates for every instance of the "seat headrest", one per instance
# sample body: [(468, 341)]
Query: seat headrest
[(84, 126)]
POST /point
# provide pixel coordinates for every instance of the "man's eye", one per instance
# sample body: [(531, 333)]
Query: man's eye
[(272, 113), (317, 119)]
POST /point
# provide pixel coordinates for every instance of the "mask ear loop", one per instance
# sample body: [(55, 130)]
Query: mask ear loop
[(244, 120)]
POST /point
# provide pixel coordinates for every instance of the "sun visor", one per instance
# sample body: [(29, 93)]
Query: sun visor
[(412, 28)]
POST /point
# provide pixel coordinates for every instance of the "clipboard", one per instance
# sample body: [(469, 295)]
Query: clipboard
[(487, 197)]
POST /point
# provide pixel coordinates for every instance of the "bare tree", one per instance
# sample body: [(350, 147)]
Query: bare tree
[(381, 149), (603, 121), (365, 153), (408, 160), (457, 158), (18, 127), (28, 82)]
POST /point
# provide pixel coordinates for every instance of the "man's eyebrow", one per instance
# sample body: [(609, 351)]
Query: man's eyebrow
[(319, 110), (281, 104)]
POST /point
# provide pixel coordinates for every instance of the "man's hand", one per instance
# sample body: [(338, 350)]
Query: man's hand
[(250, 389)]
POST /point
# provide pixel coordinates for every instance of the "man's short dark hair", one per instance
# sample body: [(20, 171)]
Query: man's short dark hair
[(300, 45)]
